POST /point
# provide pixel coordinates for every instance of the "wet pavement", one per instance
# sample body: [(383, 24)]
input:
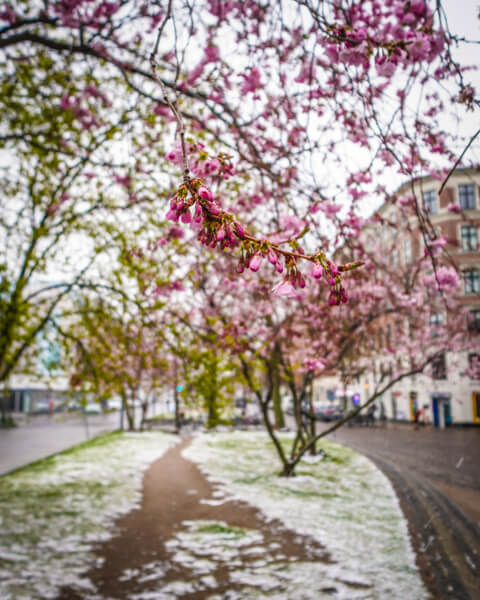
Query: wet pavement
[(39, 436), (436, 474)]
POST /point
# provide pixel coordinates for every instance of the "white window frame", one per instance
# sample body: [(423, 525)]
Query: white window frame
[(407, 250), (473, 286), (430, 202), (463, 239), (467, 196)]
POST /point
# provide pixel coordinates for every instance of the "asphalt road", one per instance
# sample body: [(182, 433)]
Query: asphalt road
[(436, 474)]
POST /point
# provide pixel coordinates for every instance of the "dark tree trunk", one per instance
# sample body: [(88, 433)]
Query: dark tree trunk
[(128, 412)]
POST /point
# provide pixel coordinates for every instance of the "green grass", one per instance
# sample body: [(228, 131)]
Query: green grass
[(221, 529)]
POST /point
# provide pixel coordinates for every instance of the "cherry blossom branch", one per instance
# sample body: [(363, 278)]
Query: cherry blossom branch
[(219, 226), (458, 161)]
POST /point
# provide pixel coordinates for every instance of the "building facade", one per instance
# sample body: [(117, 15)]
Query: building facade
[(448, 392)]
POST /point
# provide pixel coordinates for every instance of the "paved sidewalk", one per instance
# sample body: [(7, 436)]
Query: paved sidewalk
[(42, 436)]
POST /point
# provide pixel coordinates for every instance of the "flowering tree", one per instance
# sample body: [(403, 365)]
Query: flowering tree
[(266, 125), (310, 84), (382, 329)]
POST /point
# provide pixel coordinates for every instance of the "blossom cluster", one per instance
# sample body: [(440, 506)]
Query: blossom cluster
[(200, 163), (364, 29), (194, 204)]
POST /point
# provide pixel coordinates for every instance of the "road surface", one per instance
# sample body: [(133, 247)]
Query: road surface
[(436, 474)]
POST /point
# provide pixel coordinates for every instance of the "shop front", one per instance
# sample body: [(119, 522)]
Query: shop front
[(441, 409)]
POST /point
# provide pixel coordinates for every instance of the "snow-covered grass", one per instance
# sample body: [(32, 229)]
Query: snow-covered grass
[(342, 500), (52, 512)]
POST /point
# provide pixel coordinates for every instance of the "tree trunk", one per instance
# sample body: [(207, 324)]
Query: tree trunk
[(278, 447), (212, 418), (312, 432), (144, 414), (277, 402), (176, 399), (288, 470), (128, 412), (212, 407), (4, 409)]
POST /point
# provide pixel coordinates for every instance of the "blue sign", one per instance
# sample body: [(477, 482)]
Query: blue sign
[(179, 388), (356, 399)]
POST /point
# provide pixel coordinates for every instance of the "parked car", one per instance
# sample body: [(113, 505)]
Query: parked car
[(328, 412), (72, 405), (41, 406), (114, 403), (92, 408), (240, 403)]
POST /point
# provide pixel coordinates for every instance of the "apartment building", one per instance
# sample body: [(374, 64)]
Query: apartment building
[(448, 392)]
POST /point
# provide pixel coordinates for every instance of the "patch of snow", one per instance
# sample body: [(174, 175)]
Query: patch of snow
[(343, 501), (54, 512)]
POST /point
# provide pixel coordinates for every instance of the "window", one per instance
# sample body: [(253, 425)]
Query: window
[(466, 196), (388, 336), (407, 250), (468, 234), (474, 365), (380, 338), (473, 322), (472, 281), (436, 320), (394, 257), (430, 202), (439, 367)]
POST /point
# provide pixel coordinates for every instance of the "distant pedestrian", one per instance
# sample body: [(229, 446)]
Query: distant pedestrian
[(371, 414), (419, 418), (425, 414)]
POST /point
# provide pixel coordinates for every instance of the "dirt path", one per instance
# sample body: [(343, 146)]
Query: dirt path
[(144, 555)]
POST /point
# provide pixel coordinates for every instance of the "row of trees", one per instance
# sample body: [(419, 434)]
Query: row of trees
[(185, 187)]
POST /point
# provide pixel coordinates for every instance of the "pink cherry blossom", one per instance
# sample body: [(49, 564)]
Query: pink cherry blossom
[(284, 289)]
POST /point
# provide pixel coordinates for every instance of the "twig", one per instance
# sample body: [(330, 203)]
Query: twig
[(459, 159)]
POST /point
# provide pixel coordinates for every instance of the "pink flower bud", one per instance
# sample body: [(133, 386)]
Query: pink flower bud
[(198, 218), (333, 299), (205, 193), (213, 208), (333, 269), (279, 267), (272, 257), (172, 215), (239, 230), (317, 271), (186, 217), (300, 280), (220, 234), (255, 262)]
